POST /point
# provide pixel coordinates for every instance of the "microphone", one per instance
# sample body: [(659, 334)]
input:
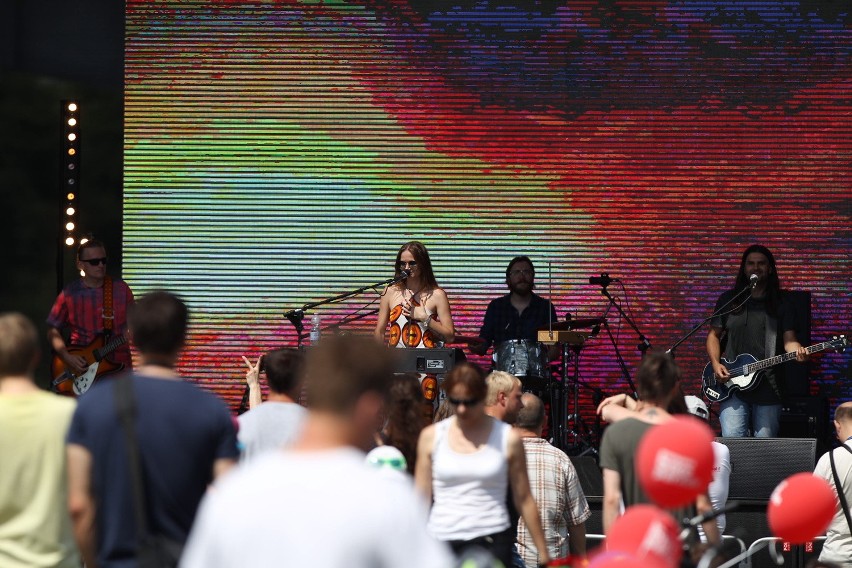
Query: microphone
[(295, 316), (752, 280), (402, 276), (602, 280)]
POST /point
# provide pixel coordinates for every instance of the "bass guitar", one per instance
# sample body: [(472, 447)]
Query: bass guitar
[(65, 381), (746, 370)]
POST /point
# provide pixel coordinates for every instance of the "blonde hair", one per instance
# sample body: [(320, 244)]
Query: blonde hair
[(499, 381)]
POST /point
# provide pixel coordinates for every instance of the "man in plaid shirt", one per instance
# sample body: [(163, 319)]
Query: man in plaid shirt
[(79, 308), (555, 487)]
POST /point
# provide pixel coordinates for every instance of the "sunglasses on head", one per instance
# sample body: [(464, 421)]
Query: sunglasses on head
[(94, 261)]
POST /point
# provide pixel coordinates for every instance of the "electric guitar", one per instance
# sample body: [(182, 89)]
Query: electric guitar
[(746, 370), (95, 353)]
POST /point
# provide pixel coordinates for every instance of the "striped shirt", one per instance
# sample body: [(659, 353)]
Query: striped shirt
[(560, 499)]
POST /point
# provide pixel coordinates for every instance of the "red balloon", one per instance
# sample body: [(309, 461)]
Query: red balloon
[(616, 560), (801, 508), (674, 461), (647, 533)]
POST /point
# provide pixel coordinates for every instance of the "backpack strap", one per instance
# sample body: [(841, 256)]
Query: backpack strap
[(841, 494)]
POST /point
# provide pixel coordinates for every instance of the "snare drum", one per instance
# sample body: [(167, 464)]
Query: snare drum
[(525, 359)]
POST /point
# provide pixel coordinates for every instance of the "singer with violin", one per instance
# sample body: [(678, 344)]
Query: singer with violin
[(760, 326)]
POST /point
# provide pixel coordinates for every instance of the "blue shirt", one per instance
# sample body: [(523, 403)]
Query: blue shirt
[(181, 430)]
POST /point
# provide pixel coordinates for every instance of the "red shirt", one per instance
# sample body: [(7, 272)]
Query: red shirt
[(80, 309)]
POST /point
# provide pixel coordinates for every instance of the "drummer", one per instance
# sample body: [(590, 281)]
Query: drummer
[(520, 313)]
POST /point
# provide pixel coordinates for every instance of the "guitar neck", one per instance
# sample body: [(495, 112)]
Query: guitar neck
[(783, 358), (110, 346)]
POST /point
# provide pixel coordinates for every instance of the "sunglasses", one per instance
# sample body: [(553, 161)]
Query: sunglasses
[(464, 401), (95, 261), (411, 264)]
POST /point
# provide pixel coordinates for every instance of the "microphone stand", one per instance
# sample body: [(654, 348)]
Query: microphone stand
[(720, 311), (645, 344), (297, 315), (642, 347), (352, 317)]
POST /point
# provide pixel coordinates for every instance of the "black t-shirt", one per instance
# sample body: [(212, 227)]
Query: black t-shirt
[(745, 332), (503, 322)]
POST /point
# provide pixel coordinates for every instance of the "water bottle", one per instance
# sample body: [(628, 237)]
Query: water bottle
[(316, 330)]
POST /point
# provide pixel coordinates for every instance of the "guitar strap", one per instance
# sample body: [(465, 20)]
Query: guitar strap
[(769, 345), (841, 494), (108, 316)]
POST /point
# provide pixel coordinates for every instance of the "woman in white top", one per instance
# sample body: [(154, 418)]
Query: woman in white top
[(464, 465)]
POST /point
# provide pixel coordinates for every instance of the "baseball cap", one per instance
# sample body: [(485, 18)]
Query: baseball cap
[(697, 407)]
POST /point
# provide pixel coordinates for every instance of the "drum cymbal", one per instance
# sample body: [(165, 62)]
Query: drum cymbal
[(578, 323)]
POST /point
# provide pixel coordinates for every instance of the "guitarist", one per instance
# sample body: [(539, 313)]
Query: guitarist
[(762, 327), (79, 309)]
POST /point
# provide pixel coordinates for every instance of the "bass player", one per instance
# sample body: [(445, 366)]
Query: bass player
[(760, 326)]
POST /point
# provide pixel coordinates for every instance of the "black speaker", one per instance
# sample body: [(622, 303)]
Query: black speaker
[(758, 465), (591, 481), (795, 376), (807, 417)]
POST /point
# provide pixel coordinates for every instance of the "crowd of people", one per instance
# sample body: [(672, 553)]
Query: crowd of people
[(147, 469)]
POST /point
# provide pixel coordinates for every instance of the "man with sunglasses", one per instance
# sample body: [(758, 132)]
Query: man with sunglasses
[(82, 312)]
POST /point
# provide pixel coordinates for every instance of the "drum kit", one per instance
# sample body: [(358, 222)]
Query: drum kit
[(530, 361)]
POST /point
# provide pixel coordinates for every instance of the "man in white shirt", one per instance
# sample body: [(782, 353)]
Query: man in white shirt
[(718, 489), (319, 503), (838, 541), (277, 422)]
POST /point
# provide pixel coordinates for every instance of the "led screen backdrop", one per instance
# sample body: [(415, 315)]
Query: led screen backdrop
[(280, 153)]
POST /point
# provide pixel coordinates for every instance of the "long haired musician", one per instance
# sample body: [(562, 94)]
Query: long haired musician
[(414, 312)]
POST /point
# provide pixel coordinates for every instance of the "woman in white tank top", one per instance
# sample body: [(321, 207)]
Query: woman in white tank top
[(464, 464)]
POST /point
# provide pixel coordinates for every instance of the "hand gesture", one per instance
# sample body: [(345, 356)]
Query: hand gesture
[(253, 373)]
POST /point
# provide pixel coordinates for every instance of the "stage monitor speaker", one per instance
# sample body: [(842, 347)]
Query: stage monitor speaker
[(590, 476), (591, 481), (758, 465)]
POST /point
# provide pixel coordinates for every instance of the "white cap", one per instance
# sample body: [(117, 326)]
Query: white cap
[(697, 407)]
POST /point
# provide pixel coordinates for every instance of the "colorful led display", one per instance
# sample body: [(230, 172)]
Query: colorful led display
[(278, 153)]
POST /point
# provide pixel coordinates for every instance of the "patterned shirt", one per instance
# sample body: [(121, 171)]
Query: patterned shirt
[(560, 499), (79, 309)]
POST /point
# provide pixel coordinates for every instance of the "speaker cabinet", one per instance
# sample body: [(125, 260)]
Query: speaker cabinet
[(807, 417), (591, 480), (758, 465)]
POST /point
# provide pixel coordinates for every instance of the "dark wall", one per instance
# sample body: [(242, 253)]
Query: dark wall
[(50, 51)]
